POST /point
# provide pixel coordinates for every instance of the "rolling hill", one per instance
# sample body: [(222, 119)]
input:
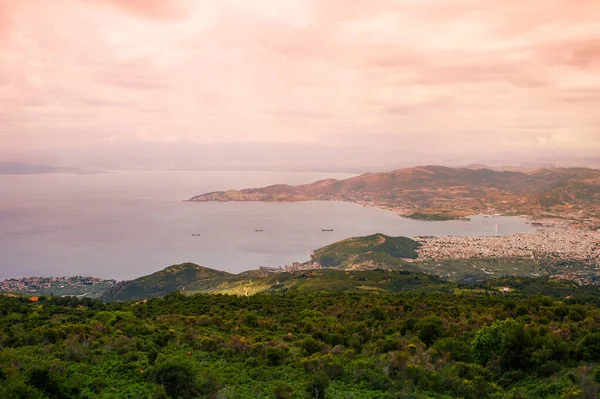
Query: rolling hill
[(374, 251), (194, 279), (184, 277), (190, 279)]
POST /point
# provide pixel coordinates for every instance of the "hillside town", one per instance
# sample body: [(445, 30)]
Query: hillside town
[(66, 285), (294, 267)]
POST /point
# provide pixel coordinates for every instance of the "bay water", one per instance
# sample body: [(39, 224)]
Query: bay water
[(126, 224)]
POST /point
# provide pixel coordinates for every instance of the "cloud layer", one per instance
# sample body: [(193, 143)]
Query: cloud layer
[(457, 75)]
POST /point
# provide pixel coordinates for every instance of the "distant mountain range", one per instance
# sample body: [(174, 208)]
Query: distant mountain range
[(18, 168), (443, 192), (282, 157)]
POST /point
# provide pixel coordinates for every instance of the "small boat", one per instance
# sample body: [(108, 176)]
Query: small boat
[(326, 229), (258, 231), (196, 235)]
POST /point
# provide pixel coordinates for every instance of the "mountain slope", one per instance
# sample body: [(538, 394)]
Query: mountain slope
[(197, 279), (374, 250), (452, 192), (190, 278), (184, 277)]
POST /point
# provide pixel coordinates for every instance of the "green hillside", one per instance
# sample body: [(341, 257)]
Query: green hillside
[(351, 265), (324, 280), (192, 279), (375, 250), (184, 277)]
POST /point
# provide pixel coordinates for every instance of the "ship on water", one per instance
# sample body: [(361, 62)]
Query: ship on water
[(326, 229), (258, 230), (196, 235)]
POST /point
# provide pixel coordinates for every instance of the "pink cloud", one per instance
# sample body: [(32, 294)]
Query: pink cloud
[(7, 8), (465, 73), (576, 53), (157, 9)]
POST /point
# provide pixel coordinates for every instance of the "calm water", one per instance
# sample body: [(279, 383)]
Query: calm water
[(127, 224)]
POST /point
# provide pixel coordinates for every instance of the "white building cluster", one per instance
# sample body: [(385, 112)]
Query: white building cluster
[(556, 244)]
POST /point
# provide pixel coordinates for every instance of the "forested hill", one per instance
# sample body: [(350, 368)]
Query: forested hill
[(467, 342), (453, 191)]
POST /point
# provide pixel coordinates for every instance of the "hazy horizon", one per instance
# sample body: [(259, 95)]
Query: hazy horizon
[(257, 157), (455, 82)]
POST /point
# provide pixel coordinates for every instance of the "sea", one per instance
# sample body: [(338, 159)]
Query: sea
[(125, 224)]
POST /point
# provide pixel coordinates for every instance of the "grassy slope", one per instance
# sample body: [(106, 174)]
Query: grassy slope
[(161, 283), (332, 280), (184, 277)]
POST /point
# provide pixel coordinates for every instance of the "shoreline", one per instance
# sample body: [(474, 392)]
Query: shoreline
[(545, 219)]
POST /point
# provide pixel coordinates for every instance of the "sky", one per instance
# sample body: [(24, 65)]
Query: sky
[(451, 75)]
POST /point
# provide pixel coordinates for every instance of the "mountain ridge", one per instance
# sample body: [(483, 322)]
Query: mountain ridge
[(441, 190), (173, 278), (20, 168)]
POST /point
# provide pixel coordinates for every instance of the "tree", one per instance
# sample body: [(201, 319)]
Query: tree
[(430, 329), (283, 390), (590, 347), (318, 385), (488, 340), (177, 378)]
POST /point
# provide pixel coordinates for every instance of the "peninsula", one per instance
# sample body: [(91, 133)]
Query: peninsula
[(442, 193)]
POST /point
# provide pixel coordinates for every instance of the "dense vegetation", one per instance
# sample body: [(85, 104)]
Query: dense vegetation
[(431, 216), (467, 341)]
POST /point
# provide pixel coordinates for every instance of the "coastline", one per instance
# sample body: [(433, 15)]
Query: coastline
[(545, 219)]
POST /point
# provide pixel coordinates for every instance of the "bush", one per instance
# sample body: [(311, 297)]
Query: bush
[(283, 390), (318, 385), (430, 329), (177, 377), (458, 350), (589, 347), (488, 340)]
